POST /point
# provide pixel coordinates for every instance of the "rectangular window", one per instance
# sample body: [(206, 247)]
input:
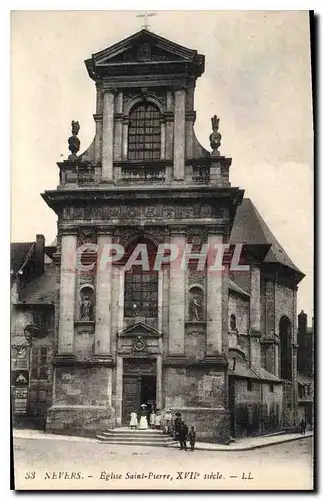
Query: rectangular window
[(141, 294), (249, 385), (39, 363), (271, 388)]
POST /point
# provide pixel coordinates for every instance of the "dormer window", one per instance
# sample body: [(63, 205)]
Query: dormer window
[(144, 132)]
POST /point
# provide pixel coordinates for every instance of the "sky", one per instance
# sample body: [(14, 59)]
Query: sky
[(257, 80)]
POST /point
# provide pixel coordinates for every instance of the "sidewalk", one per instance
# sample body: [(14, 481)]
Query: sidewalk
[(239, 445), (251, 443), (35, 434)]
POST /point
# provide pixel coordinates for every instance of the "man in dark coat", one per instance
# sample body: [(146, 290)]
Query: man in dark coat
[(177, 425), (183, 435), (192, 438), (302, 426)]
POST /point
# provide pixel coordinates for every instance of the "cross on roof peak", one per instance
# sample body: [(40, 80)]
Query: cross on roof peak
[(146, 15)]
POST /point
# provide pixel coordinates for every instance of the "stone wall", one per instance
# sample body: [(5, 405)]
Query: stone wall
[(241, 308), (259, 410), (76, 385), (84, 421), (199, 394)]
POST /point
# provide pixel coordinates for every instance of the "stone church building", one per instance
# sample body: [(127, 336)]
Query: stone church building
[(90, 346)]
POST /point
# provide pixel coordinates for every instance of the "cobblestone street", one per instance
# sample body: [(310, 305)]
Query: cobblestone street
[(62, 464)]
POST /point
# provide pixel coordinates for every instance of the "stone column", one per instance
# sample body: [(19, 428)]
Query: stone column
[(214, 301), (160, 299), (177, 286), (294, 357), (270, 308), (179, 134), (121, 298), (162, 139), (125, 138), (108, 136), (159, 382), (255, 302), (103, 299), (119, 390), (118, 138), (67, 294), (98, 137)]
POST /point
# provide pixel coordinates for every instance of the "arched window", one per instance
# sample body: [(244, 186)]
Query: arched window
[(285, 348), (144, 132), (141, 283)]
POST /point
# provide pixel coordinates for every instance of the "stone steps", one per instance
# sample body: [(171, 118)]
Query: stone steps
[(126, 436)]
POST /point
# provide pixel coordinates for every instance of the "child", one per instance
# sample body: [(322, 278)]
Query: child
[(152, 419), (158, 419), (192, 438), (133, 421)]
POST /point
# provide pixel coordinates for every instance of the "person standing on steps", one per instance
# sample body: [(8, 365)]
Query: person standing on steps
[(133, 421), (183, 435), (192, 438), (168, 422), (152, 419), (143, 425), (177, 425), (158, 419)]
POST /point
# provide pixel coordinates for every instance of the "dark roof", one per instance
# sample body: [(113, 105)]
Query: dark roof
[(244, 371), (18, 255), (40, 290), (304, 379), (250, 228), (235, 288)]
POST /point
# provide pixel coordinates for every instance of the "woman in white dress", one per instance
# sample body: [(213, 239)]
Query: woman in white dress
[(143, 425), (133, 421)]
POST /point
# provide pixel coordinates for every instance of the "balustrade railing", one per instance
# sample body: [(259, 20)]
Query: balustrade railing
[(142, 175), (200, 174)]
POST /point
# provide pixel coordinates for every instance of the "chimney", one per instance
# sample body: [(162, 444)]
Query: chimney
[(302, 322), (39, 254)]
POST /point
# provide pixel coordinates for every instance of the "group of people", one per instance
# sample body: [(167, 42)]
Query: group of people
[(153, 419), (182, 433), (147, 420)]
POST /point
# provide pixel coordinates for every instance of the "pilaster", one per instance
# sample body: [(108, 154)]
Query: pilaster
[(177, 296), (67, 294), (179, 134), (103, 298), (214, 300), (108, 136)]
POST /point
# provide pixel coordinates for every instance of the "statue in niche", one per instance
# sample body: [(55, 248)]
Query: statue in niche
[(74, 141), (196, 307), (86, 310), (215, 137)]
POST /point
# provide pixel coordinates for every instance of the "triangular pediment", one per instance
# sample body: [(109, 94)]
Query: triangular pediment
[(142, 47), (140, 329)]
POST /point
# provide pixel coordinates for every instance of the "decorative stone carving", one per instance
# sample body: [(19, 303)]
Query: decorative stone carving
[(196, 236), (87, 236), (131, 366), (196, 276), (139, 344), (74, 141), (215, 137), (126, 212)]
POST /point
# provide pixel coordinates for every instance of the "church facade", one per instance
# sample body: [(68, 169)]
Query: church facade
[(217, 344)]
